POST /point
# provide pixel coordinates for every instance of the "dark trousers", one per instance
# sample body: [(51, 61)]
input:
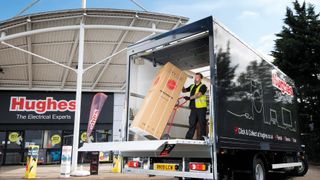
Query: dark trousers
[(197, 114)]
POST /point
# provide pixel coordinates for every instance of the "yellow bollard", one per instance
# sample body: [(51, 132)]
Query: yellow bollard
[(32, 160), (117, 161)]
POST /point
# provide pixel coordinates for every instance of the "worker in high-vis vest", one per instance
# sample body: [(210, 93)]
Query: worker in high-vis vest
[(198, 106)]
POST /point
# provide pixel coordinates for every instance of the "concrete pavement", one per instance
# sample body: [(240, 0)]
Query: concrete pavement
[(52, 172)]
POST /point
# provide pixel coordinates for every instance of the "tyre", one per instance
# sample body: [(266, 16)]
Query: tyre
[(302, 170), (258, 169)]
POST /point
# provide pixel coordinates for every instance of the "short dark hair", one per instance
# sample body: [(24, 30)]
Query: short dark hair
[(200, 75)]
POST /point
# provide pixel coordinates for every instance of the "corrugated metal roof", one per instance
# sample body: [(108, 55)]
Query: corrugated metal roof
[(62, 46)]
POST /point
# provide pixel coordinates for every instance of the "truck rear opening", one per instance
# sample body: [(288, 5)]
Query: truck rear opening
[(188, 54), (251, 112)]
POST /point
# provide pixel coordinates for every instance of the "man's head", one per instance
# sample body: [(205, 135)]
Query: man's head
[(197, 78)]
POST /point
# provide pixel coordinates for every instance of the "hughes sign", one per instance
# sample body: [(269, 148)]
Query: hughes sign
[(41, 106), (48, 107)]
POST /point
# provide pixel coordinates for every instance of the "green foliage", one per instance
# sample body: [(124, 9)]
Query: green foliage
[(297, 53)]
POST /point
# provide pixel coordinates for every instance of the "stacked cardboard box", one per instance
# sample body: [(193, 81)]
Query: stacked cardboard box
[(157, 106)]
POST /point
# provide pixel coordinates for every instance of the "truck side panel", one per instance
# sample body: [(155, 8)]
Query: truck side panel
[(256, 102)]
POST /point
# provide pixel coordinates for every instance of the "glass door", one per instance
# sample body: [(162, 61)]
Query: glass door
[(52, 143), (67, 138), (35, 137)]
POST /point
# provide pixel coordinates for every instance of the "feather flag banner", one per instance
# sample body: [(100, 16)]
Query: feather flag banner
[(96, 106)]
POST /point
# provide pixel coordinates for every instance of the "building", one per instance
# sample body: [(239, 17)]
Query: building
[(38, 96)]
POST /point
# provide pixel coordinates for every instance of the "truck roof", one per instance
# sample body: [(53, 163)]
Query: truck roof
[(205, 24)]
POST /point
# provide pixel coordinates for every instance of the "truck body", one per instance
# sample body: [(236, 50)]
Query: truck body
[(252, 111)]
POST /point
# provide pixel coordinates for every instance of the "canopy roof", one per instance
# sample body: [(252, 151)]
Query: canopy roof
[(55, 36)]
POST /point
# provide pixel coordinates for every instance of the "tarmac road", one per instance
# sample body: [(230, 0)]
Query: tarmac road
[(52, 172), (313, 174)]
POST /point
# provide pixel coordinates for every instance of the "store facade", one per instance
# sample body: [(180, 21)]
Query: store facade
[(46, 119)]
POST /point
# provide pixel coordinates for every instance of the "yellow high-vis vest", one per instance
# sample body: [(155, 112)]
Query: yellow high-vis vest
[(200, 102)]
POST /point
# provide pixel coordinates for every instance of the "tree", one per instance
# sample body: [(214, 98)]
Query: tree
[(297, 53)]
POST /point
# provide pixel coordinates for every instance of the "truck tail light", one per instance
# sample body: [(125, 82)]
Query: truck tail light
[(197, 166), (134, 164)]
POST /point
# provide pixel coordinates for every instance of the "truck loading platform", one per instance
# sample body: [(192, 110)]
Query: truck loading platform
[(153, 148)]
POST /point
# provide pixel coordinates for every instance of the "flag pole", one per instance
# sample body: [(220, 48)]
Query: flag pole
[(76, 128)]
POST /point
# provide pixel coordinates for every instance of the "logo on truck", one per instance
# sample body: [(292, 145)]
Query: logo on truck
[(41, 106), (280, 84)]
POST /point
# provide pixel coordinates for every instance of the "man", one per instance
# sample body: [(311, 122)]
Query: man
[(198, 106)]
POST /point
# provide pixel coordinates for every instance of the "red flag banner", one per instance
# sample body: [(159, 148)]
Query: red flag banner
[(96, 106)]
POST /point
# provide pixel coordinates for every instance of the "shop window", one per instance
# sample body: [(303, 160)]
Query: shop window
[(13, 157), (14, 140), (52, 139), (42, 156), (33, 138), (2, 138), (67, 138), (83, 135), (103, 135), (53, 156), (2, 144)]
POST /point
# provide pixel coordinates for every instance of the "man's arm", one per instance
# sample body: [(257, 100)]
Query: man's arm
[(201, 92), (184, 90)]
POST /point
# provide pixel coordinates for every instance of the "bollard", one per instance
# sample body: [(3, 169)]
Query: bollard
[(117, 160), (32, 160)]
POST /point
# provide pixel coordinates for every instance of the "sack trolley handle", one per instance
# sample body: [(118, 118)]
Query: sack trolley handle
[(176, 107)]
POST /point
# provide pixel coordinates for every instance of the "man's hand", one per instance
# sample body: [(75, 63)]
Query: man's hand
[(184, 90), (186, 98), (199, 94)]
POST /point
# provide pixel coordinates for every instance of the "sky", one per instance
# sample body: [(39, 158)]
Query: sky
[(254, 21)]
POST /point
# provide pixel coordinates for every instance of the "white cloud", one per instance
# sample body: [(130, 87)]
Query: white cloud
[(266, 43), (268, 7), (249, 14)]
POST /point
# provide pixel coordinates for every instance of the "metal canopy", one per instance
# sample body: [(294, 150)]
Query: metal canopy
[(55, 36)]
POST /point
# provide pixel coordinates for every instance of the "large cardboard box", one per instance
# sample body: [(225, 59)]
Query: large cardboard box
[(157, 106)]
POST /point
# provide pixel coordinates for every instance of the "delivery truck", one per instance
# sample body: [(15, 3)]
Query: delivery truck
[(253, 125)]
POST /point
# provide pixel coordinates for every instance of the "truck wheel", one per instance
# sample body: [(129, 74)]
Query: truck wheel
[(302, 170), (258, 169)]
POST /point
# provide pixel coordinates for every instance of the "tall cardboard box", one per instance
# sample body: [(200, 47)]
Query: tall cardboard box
[(157, 106)]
